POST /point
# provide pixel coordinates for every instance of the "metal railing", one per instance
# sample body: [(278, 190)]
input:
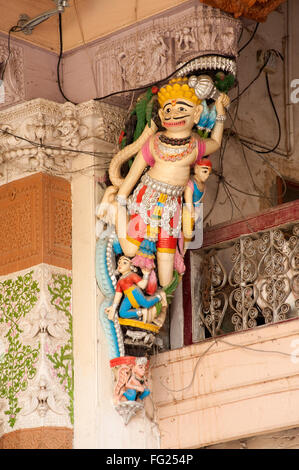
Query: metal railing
[(248, 282)]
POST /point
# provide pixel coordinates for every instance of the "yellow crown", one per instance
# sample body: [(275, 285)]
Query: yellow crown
[(177, 88)]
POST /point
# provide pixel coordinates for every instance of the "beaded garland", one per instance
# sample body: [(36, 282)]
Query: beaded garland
[(167, 154)]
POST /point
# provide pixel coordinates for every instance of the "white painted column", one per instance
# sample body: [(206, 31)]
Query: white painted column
[(84, 306), (96, 422)]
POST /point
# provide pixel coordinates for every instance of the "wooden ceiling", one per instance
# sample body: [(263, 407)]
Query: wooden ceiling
[(83, 21), (87, 20)]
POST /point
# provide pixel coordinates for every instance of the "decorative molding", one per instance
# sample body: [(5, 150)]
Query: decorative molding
[(35, 223), (152, 50), (256, 10), (273, 217), (41, 326), (73, 128)]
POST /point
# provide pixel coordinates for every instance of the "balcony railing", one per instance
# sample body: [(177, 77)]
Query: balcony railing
[(244, 280)]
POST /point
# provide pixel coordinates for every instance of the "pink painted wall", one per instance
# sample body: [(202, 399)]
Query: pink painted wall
[(31, 73)]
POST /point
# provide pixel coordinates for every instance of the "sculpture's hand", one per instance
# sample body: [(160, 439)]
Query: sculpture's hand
[(110, 311), (106, 209), (221, 103)]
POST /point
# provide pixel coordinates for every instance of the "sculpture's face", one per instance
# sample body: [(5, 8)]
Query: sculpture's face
[(179, 115), (124, 265), (140, 369), (203, 172)]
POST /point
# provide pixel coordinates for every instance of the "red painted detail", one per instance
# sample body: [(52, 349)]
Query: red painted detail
[(273, 217), (123, 360)]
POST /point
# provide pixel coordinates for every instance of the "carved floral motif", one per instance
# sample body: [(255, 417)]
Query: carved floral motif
[(64, 129), (14, 73), (36, 331)]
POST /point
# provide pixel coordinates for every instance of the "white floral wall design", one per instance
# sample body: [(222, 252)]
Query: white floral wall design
[(36, 362)]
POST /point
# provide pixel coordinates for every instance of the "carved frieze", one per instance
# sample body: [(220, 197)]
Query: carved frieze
[(14, 73), (40, 135), (151, 51), (257, 10)]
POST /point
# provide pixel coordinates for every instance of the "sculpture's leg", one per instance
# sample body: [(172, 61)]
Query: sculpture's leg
[(165, 263), (121, 225)]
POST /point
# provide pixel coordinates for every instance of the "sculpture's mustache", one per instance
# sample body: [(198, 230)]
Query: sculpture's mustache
[(178, 117)]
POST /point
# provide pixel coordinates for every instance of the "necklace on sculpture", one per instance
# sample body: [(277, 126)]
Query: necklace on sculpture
[(173, 154), (171, 141)]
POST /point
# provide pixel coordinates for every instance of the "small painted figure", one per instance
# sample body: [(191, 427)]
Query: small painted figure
[(193, 197), (135, 304), (132, 383)]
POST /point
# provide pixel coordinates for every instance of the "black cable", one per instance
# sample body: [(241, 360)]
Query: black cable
[(252, 81), (59, 59), (277, 119), (144, 87), (13, 29), (54, 147), (250, 39)]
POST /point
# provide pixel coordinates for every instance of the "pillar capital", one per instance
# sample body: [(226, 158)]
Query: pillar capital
[(41, 135)]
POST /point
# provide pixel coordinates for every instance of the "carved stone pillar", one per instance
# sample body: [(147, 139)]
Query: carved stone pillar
[(39, 140)]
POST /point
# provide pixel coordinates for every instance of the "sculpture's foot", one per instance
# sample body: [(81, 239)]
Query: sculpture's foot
[(148, 314), (159, 321)]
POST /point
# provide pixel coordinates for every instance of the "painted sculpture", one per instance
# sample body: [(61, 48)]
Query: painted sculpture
[(150, 210)]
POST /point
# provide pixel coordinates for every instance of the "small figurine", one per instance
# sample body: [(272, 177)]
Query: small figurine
[(132, 383), (193, 197), (135, 304)]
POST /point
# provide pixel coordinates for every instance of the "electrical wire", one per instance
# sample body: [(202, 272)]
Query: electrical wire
[(13, 29), (250, 39), (215, 342), (54, 147), (252, 81), (143, 87), (221, 157), (277, 118), (60, 58)]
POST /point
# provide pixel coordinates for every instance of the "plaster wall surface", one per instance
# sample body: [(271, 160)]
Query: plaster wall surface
[(240, 385), (31, 72)]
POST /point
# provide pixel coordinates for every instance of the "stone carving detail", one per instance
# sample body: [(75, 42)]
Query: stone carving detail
[(64, 129), (43, 330), (152, 51), (257, 10), (35, 222), (14, 73)]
